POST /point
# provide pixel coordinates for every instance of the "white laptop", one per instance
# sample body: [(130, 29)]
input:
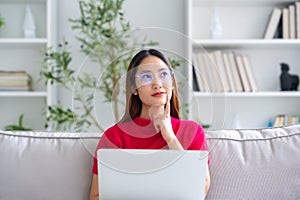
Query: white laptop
[(127, 174)]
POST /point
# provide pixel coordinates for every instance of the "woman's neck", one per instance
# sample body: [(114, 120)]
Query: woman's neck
[(150, 111)]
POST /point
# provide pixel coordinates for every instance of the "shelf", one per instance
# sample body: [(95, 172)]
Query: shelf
[(244, 23), (26, 54), (248, 94), (23, 2), (23, 41), (241, 2), (248, 43), (23, 94)]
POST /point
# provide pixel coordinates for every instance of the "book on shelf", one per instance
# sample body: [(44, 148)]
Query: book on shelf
[(273, 23), (214, 68), (199, 71), (204, 72), (229, 72), (209, 76), (206, 78), (279, 30), (235, 73), (249, 72), (242, 73), (286, 120), (15, 81), (292, 20), (288, 26), (292, 120), (297, 10), (195, 82), (279, 121), (218, 57), (285, 24), (13, 73), (14, 88)]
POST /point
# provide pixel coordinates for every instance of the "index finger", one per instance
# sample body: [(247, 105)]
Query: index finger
[(167, 110)]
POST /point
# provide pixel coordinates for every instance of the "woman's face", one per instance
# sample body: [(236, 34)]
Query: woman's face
[(154, 82)]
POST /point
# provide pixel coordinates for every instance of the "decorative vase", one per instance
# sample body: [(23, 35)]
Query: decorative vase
[(216, 30), (29, 24)]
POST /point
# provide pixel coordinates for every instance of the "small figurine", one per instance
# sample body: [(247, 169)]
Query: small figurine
[(288, 82)]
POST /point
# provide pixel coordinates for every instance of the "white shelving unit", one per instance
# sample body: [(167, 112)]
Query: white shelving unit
[(19, 53), (249, 94), (248, 43), (23, 94), (243, 23)]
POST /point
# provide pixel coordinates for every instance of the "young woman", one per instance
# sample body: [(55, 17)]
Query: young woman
[(151, 119)]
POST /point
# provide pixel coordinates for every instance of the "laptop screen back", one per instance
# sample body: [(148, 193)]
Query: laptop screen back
[(151, 174)]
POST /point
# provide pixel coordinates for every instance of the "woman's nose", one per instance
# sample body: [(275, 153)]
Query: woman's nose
[(157, 85)]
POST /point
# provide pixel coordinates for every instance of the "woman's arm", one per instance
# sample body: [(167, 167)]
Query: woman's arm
[(94, 193), (162, 122), (173, 142), (207, 184)]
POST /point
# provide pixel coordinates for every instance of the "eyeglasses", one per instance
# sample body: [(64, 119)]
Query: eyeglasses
[(147, 78)]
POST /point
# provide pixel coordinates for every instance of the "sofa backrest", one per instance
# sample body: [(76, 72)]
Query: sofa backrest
[(244, 164), (46, 165), (255, 164)]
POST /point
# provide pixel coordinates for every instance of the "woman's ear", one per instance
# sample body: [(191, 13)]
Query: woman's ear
[(135, 92)]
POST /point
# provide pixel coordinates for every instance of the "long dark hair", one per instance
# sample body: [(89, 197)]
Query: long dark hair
[(133, 102)]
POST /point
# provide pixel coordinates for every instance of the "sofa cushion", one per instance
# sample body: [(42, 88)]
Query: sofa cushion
[(255, 164), (46, 165)]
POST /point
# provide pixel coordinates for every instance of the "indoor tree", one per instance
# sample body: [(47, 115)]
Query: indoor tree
[(104, 35)]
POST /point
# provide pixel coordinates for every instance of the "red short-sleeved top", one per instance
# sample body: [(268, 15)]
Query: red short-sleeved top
[(140, 134)]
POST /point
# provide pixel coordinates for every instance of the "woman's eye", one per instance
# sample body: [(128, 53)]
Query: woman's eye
[(146, 76), (163, 74)]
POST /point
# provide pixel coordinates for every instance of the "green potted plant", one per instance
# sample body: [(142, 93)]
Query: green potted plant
[(104, 36), (17, 127)]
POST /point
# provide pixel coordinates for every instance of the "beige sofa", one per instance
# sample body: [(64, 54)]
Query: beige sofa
[(245, 164)]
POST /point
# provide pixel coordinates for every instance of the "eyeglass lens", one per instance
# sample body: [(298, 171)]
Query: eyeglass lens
[(147, 78)]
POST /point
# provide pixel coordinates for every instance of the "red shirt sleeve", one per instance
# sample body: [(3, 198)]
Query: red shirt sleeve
[(108, 141), (199, 142)]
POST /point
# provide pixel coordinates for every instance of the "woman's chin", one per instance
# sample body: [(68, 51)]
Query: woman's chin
[(159, 103)]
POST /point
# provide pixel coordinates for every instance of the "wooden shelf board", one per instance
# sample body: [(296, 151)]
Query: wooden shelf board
[(242, 2), (247, 43), (21, 41), (248, 94), (22, 1), (9, 94)]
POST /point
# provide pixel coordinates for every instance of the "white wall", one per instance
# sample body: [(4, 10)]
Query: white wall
[(161, 20)]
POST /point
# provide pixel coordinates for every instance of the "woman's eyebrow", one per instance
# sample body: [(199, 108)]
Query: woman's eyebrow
[(145, 71), (163, 68), (148, 70)]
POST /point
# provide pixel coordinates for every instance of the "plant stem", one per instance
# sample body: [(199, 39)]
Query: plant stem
[(85, 107), (115, 99)]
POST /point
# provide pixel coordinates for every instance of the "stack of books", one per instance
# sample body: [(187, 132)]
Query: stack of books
[(15, 81), (286, 120), (284, 22), (219, 71)]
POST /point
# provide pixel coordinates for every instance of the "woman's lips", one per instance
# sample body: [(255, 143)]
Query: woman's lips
[(158, 94)]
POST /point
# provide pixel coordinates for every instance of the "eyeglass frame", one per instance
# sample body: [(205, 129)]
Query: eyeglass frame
[(171, 73)]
